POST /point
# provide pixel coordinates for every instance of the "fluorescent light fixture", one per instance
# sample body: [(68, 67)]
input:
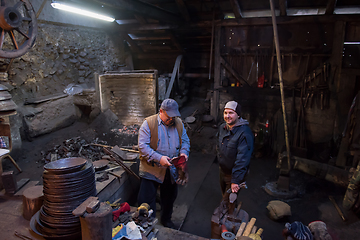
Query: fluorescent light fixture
[(81, 12), (351, 43)]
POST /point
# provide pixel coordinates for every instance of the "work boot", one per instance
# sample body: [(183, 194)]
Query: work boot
[(168, 224)]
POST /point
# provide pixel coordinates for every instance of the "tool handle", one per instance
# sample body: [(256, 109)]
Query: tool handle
[(249, 226), (337, 208)]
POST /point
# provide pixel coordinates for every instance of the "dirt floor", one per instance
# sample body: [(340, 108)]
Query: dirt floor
[(312, 202)]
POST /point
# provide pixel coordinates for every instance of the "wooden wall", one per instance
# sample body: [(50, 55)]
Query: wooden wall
[(304, 48)]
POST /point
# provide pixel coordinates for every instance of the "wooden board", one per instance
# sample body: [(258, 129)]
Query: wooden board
[(29, 184), (7, 105), (45, 98), (140, 89), (4, 95)]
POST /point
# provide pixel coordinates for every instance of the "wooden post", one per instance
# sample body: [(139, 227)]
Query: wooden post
[(214, 111), (337, 53), (33, 198), (277, 47)]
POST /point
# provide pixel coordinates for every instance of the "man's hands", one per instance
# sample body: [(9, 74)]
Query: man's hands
[(236, 187), (183, 174), (183, 154), (165, 161)]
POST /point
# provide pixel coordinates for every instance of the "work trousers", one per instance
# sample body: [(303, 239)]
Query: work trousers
[(225, 181), (168, 194)]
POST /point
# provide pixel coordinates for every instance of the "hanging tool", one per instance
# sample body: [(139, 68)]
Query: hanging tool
[(322, 100)]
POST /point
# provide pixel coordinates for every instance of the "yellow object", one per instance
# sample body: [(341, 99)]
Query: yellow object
[(143, 209), (233, 84), (144, 206), (257, 235), (117, 229)]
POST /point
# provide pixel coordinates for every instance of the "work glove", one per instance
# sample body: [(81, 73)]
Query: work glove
[(182, 171)]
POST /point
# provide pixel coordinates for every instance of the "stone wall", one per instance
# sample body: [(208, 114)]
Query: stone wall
[(62, 55)]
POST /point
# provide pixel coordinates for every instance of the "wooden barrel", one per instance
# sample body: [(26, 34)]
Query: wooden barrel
[(33, 198)]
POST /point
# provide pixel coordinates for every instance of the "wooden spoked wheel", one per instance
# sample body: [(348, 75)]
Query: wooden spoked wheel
[(18, 27)]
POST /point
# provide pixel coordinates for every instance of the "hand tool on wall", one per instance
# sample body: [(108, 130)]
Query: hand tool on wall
[(321, 100)]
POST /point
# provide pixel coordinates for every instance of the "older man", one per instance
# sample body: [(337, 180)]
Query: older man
[(161, 137), (235, 147)]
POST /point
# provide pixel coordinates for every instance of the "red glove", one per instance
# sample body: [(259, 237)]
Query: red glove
[(124, 207)]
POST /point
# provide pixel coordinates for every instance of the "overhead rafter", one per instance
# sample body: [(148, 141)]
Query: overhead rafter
[(140, 19), (248, 22), (236, 7), (133, 46), (175, 42), (283, 6), (144, 9), (330, 7), (183, 10)]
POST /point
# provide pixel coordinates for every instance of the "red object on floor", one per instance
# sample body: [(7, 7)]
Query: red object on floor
[(124, 207), (261, 81)]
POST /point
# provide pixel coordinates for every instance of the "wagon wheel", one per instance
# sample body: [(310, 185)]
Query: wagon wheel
[(18, 28)]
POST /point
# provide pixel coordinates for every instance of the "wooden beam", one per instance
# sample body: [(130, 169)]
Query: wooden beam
[(214, 108), (277, 48), (151, 38), (265, 21), (283, 7), (140, 19), (133, 46), (330, 7), (236, 8), (175, 42), (166, 55), (288, 20), (337, 53), (183, 10), (229, 68), (144, 9)]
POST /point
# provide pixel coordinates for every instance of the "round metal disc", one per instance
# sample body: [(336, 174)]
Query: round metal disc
[(65, 165), (100, 164)]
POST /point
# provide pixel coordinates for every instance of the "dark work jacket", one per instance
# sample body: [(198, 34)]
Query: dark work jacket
[(235, 148)]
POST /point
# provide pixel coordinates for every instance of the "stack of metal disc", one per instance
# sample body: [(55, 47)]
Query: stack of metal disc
[(7, 105), (68, 182)]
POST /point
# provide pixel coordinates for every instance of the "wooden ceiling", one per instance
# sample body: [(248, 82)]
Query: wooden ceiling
[(176, 26)]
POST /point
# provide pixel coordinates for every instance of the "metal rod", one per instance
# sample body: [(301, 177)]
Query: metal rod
[(277, 46)]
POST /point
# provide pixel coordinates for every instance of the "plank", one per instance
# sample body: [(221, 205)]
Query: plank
[(45, 98), (4, 95), (29, 184), (7, 105)]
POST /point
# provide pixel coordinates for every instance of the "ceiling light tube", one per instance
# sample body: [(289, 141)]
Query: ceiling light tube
[(80, 11), (351, 43)]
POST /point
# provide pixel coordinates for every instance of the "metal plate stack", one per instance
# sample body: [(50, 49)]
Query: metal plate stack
[(67, 183), (7, 105)]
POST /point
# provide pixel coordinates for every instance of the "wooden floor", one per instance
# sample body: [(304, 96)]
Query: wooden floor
[(11, 219)]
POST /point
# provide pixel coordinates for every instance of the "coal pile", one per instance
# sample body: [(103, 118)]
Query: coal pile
[(76, 147)]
